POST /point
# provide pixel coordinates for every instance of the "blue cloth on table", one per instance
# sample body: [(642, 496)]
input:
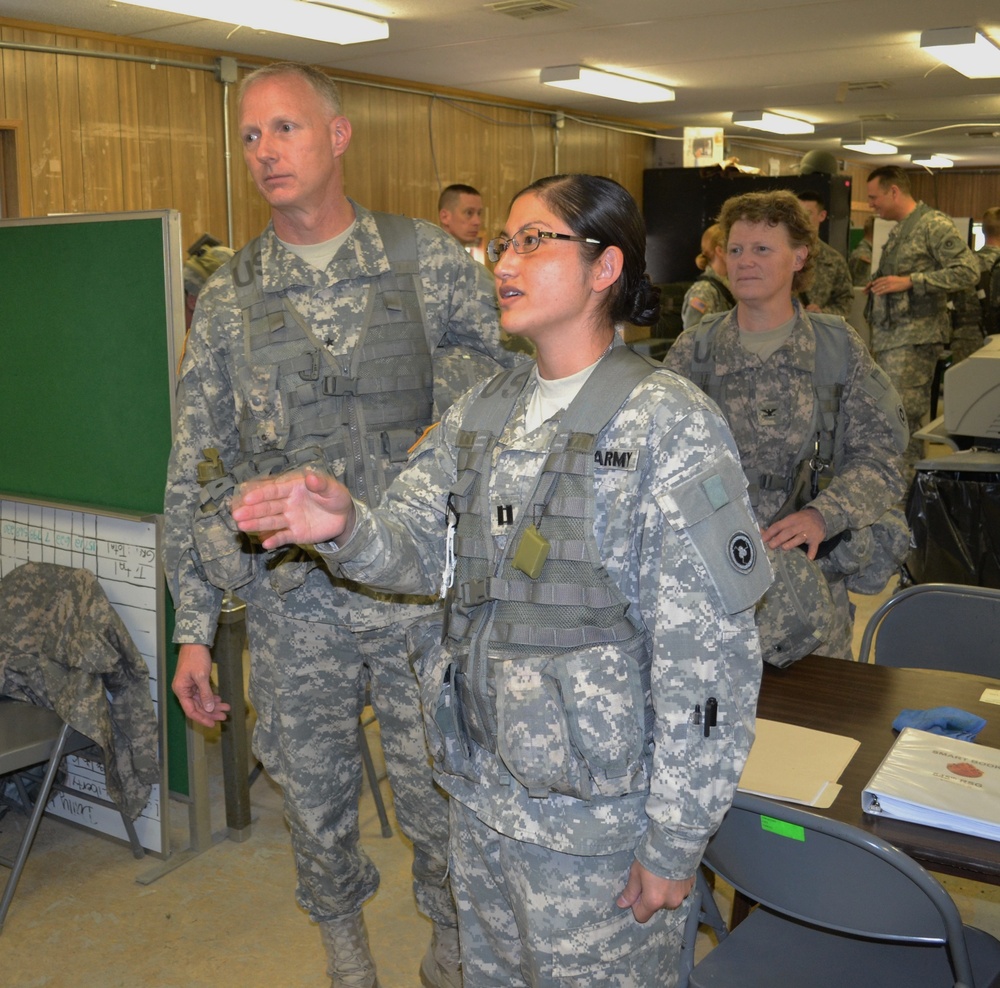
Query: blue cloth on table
[(950, 722)]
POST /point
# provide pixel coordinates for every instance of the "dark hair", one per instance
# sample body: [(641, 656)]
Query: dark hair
[(598, 207), (449, 195), (808, 195), (324, 87), (775, 208), (890, 175)]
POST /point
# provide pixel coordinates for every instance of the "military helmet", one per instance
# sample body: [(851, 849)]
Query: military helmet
[(201, 265), (814, 162)]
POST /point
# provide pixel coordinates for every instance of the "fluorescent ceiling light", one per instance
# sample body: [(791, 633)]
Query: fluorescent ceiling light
[(931, 160), (965, 49), (597, 82), (298, 18), (869, 146), (773, 123)]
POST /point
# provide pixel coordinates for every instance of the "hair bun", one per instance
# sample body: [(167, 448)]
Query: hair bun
[(645, 304)]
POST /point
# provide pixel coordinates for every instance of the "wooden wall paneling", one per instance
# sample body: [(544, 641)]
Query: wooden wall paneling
[(128, 115), (70, 161), (190, 188), (100, 132), (44, 135), (14, 100), (152, 124), (215, 162)]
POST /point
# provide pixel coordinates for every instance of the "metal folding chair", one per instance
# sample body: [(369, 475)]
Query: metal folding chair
[(937, 626), (30, 736), (838, 906)]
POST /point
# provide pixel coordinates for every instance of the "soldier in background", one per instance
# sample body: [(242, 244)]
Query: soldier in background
[(924, 260), (460, 212), (859, 261), (204, 258), (989, 253), (710, 292), (831, 289), (819, 469), (335, 338), (595, 693)]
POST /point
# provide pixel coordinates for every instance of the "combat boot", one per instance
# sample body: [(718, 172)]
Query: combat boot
[(349, 958), (441, 966)]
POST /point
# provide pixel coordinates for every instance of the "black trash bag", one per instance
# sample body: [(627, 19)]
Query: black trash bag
[(954, 518)]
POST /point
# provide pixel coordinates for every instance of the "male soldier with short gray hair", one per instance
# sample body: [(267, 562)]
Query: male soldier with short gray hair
[(334, 338)]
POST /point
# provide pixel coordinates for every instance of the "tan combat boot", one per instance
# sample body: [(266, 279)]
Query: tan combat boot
[(349, 958), (441, 966)]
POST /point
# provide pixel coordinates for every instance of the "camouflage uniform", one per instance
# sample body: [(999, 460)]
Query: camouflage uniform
[(831, 288), (966, 324), (709, 294), (770, 408), (987, 256), (63, 646), (859, 263), (539, 908), (315, 638), (909, 329)]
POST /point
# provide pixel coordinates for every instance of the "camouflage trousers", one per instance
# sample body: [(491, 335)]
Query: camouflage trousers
[(911, 370), (529, 915), (307, 685)]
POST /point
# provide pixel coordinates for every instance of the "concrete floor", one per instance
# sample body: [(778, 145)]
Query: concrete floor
[(227, 918)]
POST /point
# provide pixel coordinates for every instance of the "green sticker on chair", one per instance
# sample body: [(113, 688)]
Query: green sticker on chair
[(782, 829)]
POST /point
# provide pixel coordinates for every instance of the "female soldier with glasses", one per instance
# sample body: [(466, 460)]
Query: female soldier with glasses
[(591, 704)]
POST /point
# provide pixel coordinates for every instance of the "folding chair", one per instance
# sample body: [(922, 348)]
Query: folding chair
[(30, 736), (838, 906), (937, 626)]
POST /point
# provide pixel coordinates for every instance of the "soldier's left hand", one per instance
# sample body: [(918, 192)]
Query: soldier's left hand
[(801, 528), (888, 284), (646, 893), (302, 506)]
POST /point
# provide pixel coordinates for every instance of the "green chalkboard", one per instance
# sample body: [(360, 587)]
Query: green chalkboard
[(87, 341), (91, 315)]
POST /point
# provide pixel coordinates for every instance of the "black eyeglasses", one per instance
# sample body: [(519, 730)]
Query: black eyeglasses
[(527, 240)]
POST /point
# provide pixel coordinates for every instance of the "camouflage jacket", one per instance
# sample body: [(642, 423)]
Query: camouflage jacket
[(460, 316), (63, 646), (709, 294), (927, 248), (769, 406), (670, 552), (831, 288), (859, 263), (987, 256)]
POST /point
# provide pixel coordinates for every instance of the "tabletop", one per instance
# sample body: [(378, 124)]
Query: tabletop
[(861, 701)]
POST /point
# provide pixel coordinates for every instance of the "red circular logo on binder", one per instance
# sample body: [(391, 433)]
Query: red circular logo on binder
[(965, 770)]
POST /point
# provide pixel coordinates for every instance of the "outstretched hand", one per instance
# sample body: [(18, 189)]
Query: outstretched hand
[(303, 506)]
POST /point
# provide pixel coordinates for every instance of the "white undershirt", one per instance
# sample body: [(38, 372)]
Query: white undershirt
[(550, 397), (319, 255)]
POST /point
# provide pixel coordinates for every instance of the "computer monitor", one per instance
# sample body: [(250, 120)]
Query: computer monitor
[(972, 394)]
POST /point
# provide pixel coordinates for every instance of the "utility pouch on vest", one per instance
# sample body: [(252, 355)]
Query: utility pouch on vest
[(228, 556), (574, 723), (290, 569)]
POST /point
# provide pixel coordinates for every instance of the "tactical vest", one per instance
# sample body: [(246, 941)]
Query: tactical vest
[(364, 409), (825, 448), (541, 625)]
